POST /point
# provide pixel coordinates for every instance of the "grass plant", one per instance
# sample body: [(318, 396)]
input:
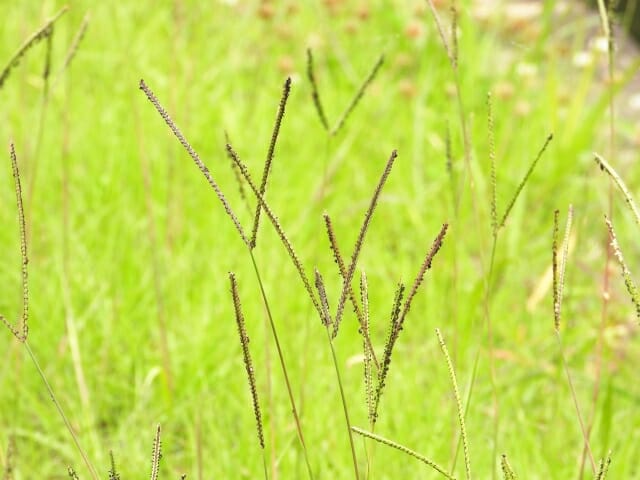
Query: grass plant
[(129, 262)]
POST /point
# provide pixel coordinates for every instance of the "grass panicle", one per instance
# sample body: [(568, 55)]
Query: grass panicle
[(237, 175), (456, 393), (603, 467), (246, 355), (358, 96), (563, 261), (22, 329), (72, 474), (392, 336), (626, 274), (277, 226), (342, 270), (443, 37), (604, 166), (7, 471), (507, 471), (403, 449), (315, 95), (73, 48), (426, 265), (492, 161), (43, 33), (267, 164), (454, 34), (554, 265), (113, 471), (195, 157), (524, 180), (368, 367), (156, 455), (346, 283), (324, 302)]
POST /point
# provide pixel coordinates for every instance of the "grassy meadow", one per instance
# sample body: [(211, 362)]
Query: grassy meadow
[(131, 316)]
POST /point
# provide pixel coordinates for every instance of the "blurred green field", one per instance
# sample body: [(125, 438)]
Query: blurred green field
[(128, 243)]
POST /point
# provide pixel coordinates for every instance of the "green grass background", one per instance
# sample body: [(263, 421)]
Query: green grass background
[(124, 232)]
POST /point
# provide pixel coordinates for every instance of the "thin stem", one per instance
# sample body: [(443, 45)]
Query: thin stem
[(294, 410), (74, 436), (344, 405)]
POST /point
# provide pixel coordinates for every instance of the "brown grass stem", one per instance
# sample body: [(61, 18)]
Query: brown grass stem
[(346, 284), (574, 396), (456, 393), (403, 449), (195, 157), (267, 164), (358, 96)]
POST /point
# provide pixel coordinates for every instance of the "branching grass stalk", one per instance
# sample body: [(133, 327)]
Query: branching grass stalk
[(205, 171), (346, 283), (39, 35), (21, 332), (456, 393), (403, 449), (337, 256)]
